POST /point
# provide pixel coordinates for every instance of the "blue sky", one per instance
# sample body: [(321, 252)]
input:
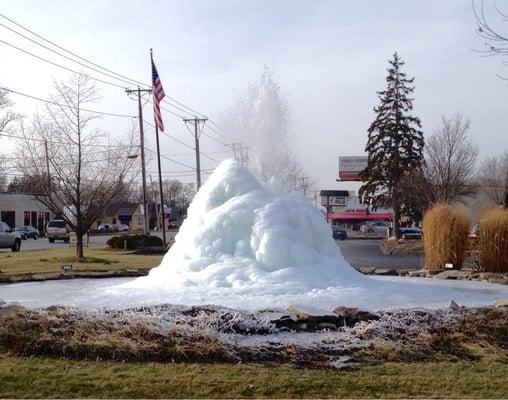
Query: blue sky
[(329, 57)]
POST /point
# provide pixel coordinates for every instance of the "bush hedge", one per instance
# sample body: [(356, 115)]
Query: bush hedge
[(493, 240), (133, 242), (445, 233)]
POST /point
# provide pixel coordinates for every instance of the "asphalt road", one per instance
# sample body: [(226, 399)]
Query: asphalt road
[(366, 253)]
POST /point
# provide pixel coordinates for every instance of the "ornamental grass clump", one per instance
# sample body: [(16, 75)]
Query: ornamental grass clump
[(493, 240), (445, 233)]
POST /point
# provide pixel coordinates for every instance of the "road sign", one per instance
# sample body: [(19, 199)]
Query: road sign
[(350, 167)]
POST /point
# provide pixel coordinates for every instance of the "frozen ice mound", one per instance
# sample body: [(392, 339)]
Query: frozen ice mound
[(243, 234)]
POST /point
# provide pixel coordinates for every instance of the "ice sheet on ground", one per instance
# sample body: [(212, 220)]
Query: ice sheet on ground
[(381, 293)]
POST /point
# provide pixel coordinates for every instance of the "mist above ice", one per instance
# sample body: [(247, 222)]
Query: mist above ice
[(260, 122)]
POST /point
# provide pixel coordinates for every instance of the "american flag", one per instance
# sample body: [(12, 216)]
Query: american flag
[(158, 95)]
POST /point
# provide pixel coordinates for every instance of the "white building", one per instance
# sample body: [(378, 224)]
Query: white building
[(23, 209)]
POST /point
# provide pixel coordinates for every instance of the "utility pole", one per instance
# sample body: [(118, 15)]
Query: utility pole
[(47, 160), (196, 121), (156, 209), (138, 91), (304, 185)]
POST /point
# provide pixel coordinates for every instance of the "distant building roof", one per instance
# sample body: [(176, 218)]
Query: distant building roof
[(334, 193), (122, 208)]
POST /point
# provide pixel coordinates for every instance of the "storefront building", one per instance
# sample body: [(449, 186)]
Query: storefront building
[(24, 209)]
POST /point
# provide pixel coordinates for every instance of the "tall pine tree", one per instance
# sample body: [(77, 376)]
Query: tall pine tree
[(395, 145)]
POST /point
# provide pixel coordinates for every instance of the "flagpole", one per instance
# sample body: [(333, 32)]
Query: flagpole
[(160, 172)]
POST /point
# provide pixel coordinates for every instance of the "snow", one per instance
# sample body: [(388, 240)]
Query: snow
[(249, 245)]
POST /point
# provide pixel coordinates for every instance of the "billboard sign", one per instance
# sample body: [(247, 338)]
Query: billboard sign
[(350, 167)]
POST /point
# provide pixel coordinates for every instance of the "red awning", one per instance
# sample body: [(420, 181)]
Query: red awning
[(359, 215)]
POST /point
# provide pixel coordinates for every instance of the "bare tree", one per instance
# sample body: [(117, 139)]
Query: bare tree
[(450, 160), (7, 116), (496, 42), (493, 179), (78, 173)]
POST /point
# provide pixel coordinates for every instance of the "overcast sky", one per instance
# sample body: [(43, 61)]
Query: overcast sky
[(329, 57)]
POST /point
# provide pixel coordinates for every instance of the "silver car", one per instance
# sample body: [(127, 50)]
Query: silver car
[(9, 239)]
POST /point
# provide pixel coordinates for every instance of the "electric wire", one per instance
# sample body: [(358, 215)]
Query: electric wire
[(65, 105), (61, 66)]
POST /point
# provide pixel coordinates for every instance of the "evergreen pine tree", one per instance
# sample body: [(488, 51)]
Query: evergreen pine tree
[(394, 146)]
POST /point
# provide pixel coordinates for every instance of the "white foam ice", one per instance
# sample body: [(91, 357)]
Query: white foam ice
[(245, 235)]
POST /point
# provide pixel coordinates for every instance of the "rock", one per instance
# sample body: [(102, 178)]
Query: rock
[(342, 363), (453, 306), (385, 271), (501, 303), (499, 279), (352, 316), (367, 270), (310, 320), (453, 274), (485, 276), (327, 325), (301, 312), (418, 273)]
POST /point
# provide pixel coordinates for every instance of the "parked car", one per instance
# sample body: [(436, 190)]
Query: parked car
[(104, 227), (57, 229), (411, 233), (375, 227), (27, 232), (339, 233), (123, 228), (9, 239), (173, 225)]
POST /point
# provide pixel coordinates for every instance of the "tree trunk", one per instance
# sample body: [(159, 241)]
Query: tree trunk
[(79, 245), (396, 221)]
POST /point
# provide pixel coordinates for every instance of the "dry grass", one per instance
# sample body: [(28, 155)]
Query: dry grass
[(445, 232), (493, 240), (51, 260), (25, 332)]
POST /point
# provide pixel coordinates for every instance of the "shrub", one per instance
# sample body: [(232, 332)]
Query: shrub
[(445, 232), (493, 240), (133, 242)]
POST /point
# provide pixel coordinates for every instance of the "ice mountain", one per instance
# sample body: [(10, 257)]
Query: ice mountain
[(244, 234)]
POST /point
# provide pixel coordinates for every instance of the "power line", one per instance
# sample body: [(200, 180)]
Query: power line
[(173, 160), (64, 56), (182, 143), (65, 105), (68, 51), (216, 131), (59, 143), (215, 139), (121, 77), (60, 66)]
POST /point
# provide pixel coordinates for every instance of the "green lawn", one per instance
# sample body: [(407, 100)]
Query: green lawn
[(54, 378), (51, 260)]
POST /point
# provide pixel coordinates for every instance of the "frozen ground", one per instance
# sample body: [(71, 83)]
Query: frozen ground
[(380, 293)]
